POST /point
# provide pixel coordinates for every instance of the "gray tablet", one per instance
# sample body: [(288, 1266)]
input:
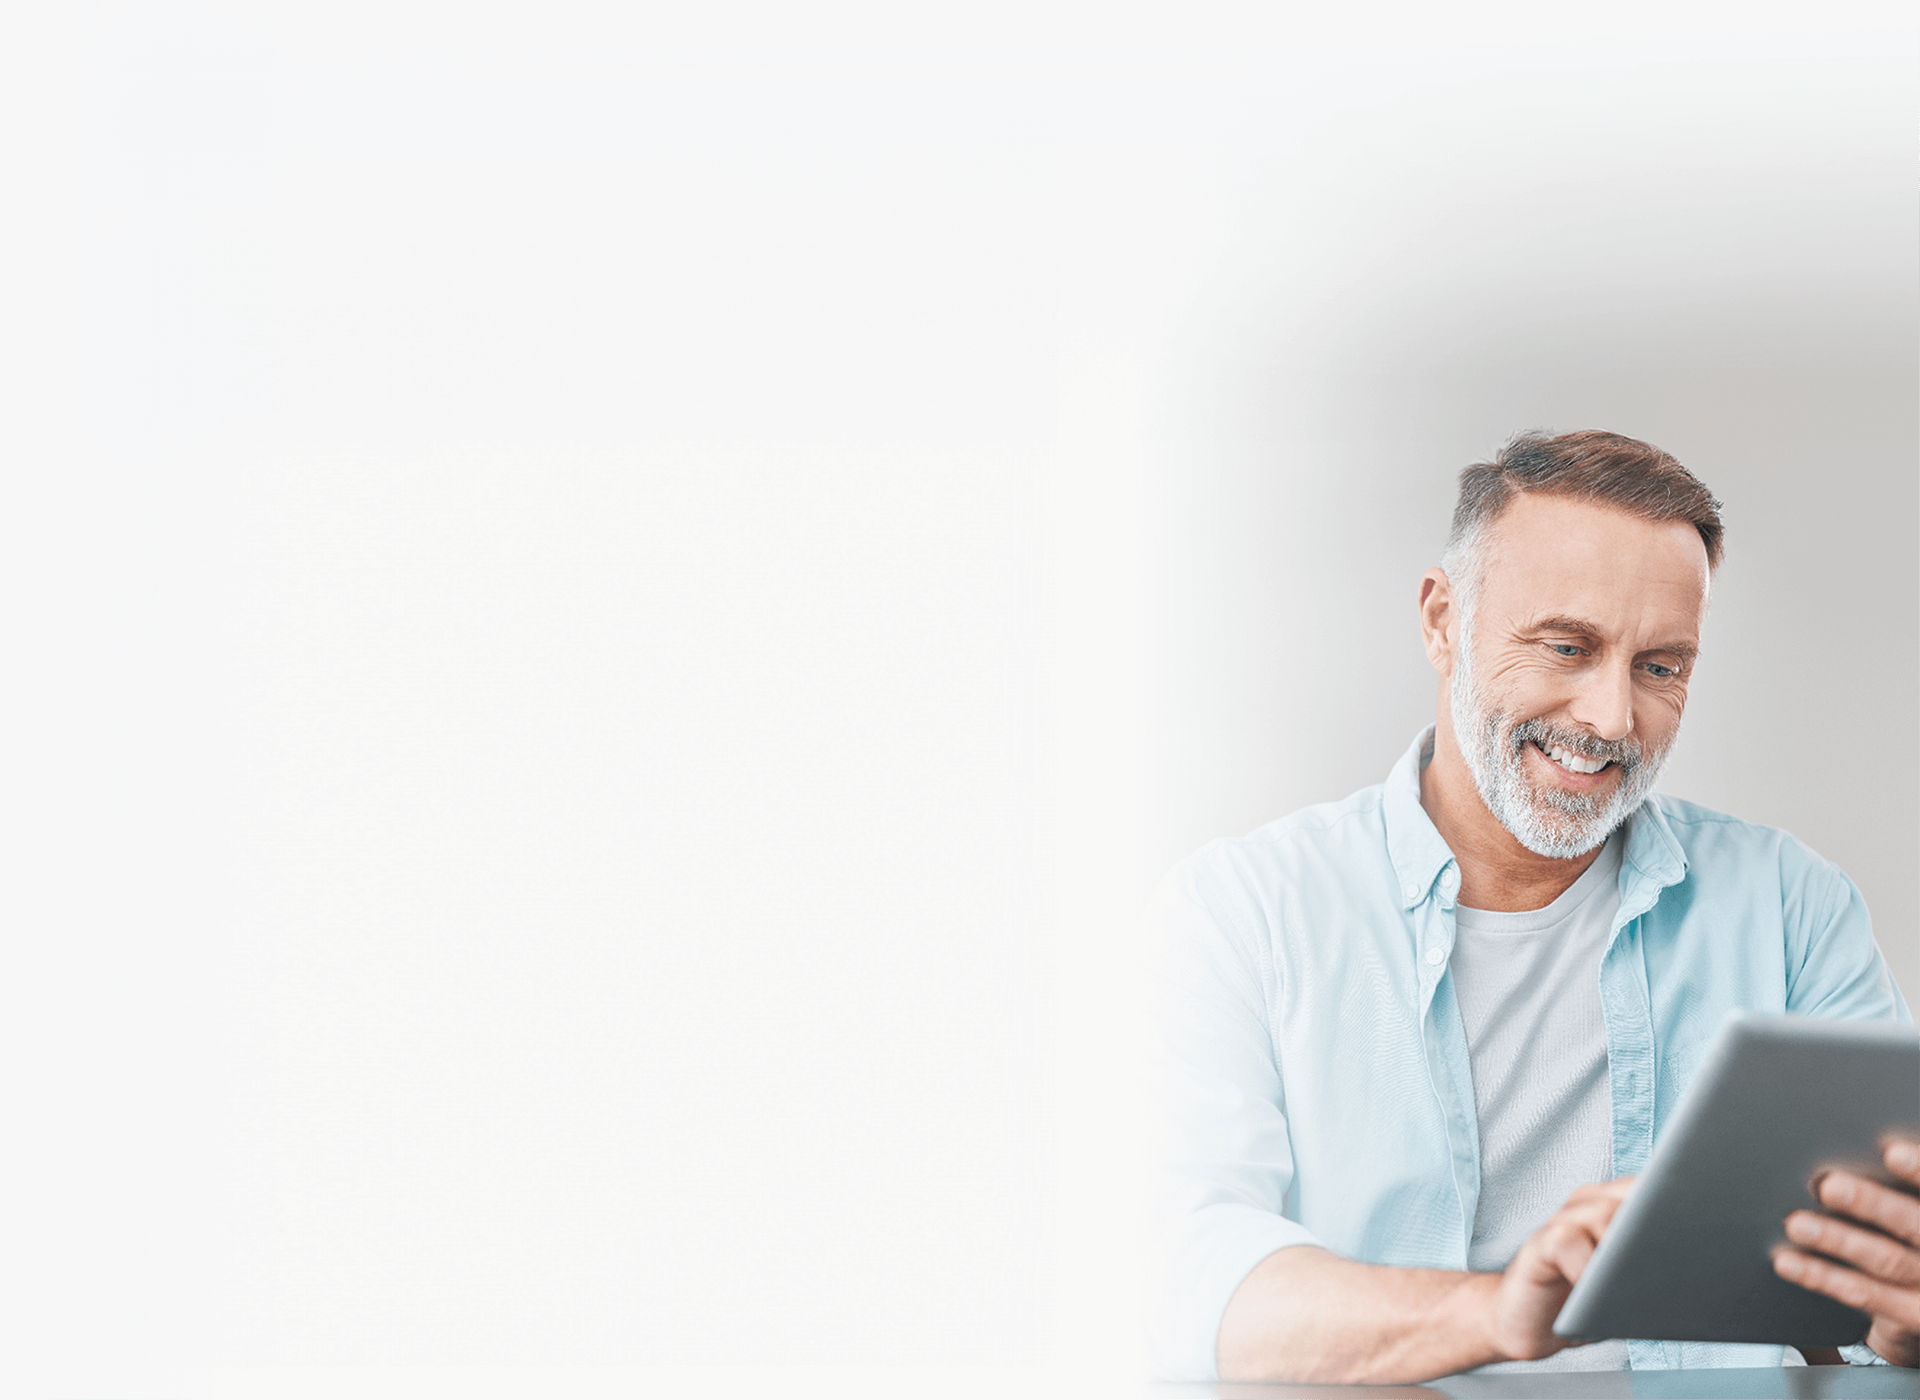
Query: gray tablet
[(1778, 1100)]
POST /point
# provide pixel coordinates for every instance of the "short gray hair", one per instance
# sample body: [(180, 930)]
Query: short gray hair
[(1606, 468)]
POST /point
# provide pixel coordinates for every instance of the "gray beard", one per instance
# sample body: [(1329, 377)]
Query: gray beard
[(1547, 821)]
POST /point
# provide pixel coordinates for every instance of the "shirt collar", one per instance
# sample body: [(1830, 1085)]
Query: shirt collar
[(1413, 842), (1654, 853), (1419, 855)]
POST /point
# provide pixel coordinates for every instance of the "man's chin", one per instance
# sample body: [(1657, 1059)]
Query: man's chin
[(1558, 845), (1563, 835)]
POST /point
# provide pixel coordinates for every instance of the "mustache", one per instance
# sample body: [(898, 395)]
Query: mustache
[(1625, 752)]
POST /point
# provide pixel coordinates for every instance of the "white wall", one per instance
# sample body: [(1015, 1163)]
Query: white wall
[(600, 600)]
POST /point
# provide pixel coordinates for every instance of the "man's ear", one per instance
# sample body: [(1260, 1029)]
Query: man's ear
[(1439, 619)]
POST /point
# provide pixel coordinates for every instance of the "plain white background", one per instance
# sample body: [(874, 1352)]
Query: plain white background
[(611, 610)]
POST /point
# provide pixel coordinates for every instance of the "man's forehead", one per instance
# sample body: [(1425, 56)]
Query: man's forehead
[(1560, 557), (1563, 533)]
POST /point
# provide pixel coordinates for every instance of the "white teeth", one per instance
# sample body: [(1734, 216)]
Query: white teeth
[(1573, 763)]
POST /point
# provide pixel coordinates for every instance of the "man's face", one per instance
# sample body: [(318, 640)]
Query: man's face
[(1570, 678)]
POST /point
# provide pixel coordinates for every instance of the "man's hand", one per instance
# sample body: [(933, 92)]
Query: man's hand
[(1536, 1283), (1306, 1314), (1869, 1260)]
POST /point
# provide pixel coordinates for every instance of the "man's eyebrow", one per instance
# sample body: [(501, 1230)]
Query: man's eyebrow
[(1580, 627)]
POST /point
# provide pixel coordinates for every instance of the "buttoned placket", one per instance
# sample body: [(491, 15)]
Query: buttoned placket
[(1449, 1071), (1653, 862)]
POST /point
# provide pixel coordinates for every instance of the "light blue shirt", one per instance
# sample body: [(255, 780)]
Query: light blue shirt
[(1313, 1067)]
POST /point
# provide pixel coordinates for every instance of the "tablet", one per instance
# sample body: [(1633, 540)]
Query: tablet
[(1778, 1100)]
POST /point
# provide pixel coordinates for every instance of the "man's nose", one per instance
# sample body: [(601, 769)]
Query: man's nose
[(1604, 702)]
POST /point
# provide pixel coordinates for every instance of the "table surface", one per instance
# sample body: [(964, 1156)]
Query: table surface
[(1783, 1383)]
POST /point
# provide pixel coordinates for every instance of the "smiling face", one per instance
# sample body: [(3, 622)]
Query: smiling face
[(1568, 680)]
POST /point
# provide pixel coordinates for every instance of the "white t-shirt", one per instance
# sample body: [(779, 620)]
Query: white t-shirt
[(1528, 987)]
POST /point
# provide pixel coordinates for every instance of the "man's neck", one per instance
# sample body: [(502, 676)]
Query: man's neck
[(1496, 871)]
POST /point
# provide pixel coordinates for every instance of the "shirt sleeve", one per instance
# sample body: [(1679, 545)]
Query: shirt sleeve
[(1225, 1160), (1835, 968), (1838, 971), (1860, 1354)]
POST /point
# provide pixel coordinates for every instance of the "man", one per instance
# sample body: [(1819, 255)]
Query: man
[(1413, 1040)]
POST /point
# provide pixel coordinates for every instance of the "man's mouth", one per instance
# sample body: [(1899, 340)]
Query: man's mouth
[(1572, 761)]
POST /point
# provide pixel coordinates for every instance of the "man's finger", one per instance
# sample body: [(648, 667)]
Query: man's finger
[(1849, 1286), (1867, 1250), (1902, 1156), (1569, 1251), (1893, 1211), (1594, 1216), (1567, 1241)]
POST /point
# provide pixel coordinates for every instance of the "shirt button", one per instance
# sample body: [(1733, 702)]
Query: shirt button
[(1413, 890), (1435, 956), (1451, 878)]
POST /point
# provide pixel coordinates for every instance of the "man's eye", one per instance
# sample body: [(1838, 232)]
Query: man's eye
[(1565, 648), (1661, 673)]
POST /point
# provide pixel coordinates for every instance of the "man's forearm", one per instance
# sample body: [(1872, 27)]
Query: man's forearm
[(1306, 1314)]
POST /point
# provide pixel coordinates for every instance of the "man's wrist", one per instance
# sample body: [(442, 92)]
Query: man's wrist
[(1480, 1296)]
